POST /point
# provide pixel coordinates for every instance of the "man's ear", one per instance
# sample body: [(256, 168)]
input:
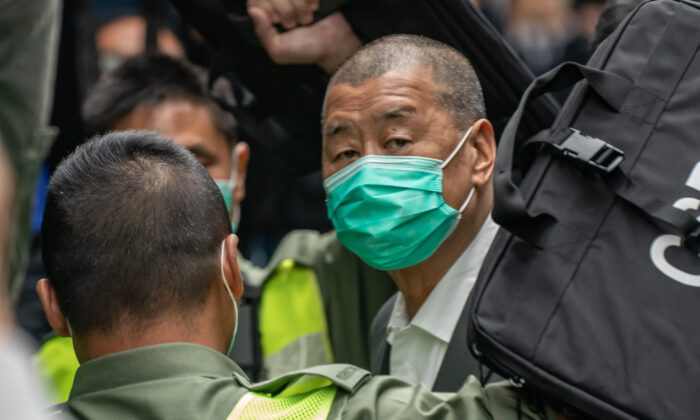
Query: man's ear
[(484, 142), (47, 295), (242, 153), (231, 269)]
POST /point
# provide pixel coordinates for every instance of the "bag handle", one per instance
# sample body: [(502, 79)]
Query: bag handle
[(509, 208)]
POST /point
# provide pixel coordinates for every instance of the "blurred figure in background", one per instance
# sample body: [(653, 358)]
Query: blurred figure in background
[(131, 27), (20, 391), (539, 30), (28, 51)]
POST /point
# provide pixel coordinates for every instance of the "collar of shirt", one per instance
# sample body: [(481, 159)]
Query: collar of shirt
[(439, 314), (151, 363)]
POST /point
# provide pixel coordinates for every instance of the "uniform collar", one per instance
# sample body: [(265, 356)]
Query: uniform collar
[(151, 363)]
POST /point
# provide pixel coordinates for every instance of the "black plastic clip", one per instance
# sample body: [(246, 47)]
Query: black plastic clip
[(592, 151)]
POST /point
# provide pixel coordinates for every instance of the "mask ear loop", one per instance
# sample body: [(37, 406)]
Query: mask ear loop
[(459, 146), (466, 202), (233, 177), (230, 293), (449, 159)]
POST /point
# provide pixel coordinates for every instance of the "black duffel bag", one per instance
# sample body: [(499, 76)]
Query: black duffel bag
[(590, 294)]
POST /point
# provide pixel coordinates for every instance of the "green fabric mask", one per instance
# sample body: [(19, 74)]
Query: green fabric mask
[(227, 191), (389, 210), (227, 187)]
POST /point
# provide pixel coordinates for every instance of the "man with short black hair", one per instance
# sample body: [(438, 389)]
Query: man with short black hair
[(146, 351), (408, 159), (165, 217)]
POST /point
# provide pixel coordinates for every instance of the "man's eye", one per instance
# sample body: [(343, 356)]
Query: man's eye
[(205, 162), (348, 154), (397, 143)]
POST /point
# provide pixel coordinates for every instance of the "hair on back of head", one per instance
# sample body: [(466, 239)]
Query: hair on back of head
[(146, 81), (458, 87), (131, 231)]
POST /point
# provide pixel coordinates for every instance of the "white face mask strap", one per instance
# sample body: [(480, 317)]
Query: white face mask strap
[(459, 146), (223, 277), (466, 202), (233, 177), (70, 330)]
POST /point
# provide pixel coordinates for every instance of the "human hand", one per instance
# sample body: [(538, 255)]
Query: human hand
[(326, 43), (288, 13)]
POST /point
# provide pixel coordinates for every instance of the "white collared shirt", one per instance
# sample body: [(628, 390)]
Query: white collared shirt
[(418, 346)]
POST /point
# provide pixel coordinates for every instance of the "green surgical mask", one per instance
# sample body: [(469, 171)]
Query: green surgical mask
[(389, 210), (227, 186)]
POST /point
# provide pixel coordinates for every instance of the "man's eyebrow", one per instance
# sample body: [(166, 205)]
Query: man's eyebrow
[(335, 128), (397, 113), (201, 151)]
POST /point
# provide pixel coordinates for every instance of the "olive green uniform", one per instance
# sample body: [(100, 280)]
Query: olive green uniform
[(318, 303), (188, 381)]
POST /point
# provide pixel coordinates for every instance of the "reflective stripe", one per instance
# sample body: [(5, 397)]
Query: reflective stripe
[(293, 328), (313, 405)]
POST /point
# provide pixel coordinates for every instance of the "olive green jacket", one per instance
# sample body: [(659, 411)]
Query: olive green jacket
[(352, 292), (30, 31), (188, 381)]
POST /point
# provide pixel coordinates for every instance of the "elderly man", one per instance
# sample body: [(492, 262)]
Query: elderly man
[(143, 275), (407, 159)]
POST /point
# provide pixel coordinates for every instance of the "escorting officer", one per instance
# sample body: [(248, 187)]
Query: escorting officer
[(407, 160), (316, 299), (143, 274)]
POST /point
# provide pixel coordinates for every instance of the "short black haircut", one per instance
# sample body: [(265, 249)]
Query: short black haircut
[(459, 89), (614, 12), (148, 80), (132, 230)]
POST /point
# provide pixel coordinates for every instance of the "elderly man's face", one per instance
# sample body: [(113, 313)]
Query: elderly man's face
[(395, 114)]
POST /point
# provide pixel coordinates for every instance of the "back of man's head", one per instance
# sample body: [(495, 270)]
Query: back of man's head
[(147, 81), (131, 232), (458, 87)]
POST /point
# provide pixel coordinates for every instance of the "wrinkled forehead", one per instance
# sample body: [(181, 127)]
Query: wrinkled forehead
[(414, 85), (413, 80)]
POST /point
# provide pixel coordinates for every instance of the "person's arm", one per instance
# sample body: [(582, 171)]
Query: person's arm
[(326, 43), (388, 398), (30, 31)]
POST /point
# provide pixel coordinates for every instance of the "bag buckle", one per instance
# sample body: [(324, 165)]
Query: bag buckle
[(591, 150)]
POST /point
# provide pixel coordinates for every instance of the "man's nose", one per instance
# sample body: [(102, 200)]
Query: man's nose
[(372, 148)]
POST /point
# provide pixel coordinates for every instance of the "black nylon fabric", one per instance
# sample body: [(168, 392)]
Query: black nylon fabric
[(601, 316)]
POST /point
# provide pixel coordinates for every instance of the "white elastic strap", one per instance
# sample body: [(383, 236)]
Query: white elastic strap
[(466, 202), (223, 277), (233, 177), (459, 146)]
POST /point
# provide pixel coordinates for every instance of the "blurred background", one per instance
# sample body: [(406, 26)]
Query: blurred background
[(96, 35)]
